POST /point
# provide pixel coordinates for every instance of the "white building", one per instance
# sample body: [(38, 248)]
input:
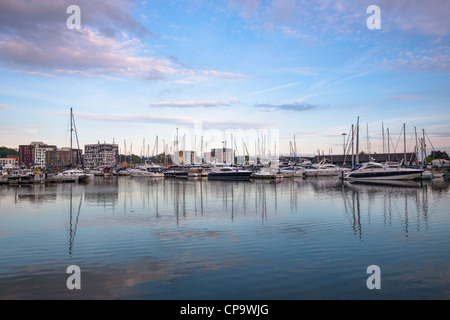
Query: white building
[(40, 154), (101, 155), (183, 157), (8, 163), (221, 155)]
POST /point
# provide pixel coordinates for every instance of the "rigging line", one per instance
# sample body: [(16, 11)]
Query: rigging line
[(79, 157), (432, 146)]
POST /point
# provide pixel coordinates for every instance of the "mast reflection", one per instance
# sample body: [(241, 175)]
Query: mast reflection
[(400, 198), (73, 221)]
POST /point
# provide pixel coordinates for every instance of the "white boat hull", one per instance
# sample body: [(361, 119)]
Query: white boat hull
[(405, 176)]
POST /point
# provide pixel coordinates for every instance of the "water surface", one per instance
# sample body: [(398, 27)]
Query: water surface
[(143, 238)]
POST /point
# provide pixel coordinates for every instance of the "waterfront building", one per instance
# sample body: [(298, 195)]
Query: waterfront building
[(26, 155), (222, 155), (61, 158), (101, 155), (184, 157), (8, 163), (40, 154)]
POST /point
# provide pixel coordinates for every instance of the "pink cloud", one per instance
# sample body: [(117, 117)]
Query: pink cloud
[(35, 40)]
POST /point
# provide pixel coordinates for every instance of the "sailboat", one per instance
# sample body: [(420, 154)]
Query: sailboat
[(372, 170), (76, 174)]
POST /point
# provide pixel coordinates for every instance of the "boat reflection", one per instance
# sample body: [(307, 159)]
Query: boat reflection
[(181, 201), (393, 183)]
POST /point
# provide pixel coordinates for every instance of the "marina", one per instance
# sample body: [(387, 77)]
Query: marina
[(227, 153), (296, 238)]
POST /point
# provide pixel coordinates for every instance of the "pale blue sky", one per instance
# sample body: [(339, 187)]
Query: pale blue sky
[(138, 69)]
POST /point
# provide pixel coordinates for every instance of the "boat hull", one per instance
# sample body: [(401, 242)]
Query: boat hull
[(229, 176), (383, 176)]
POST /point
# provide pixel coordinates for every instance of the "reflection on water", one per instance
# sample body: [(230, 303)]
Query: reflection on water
[(200, 239), (404, 195)]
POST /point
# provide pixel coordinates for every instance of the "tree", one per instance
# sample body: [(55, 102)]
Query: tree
[(5, 152), (439, 155)]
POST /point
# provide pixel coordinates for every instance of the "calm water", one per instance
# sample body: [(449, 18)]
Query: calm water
[(138, 238)]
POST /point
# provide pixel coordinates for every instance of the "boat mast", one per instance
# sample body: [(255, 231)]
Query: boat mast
[(79, 158), (71, 131), (201, 149), (417, 147), (357, 141), (353, 145), (424, 146), (164, 151), (389, 148), (404, 143)]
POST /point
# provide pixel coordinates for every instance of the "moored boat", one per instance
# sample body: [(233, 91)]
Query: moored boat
[(20, 176), (378, 171), (223, 171), (267, 173), (322, 169), (76, 174)]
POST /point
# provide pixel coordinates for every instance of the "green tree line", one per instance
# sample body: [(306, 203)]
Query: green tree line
[(5, 152)]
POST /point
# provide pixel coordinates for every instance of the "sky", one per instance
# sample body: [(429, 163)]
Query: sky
[(253, 74)]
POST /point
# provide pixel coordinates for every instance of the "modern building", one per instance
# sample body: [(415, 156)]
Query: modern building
[(222, 155), (101, 155), (26, 155), (62, 158), (8, 163), (40, 154), (184, 157)]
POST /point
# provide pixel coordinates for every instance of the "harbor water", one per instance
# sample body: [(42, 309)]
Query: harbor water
[(172, 239)]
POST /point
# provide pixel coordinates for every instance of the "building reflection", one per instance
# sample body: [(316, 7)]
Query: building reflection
[(179, 200), (102, 192)]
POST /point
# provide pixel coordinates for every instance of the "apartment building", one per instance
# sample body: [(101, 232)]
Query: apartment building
[(101, 155)]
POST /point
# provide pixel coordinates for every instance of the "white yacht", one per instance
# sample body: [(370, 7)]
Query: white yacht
[(288, 172), (76, 174), (322, 169), (267, 173), (146, 171), (224, 171), (139, 171), (122, 172), (378, 171)]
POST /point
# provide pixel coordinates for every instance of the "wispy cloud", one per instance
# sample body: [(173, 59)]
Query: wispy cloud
[(407, 97), (297, 107), (5, 107), (436, 59), (276, 88), (304, 71), (247, 8), (173, 120), (190, 104)]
